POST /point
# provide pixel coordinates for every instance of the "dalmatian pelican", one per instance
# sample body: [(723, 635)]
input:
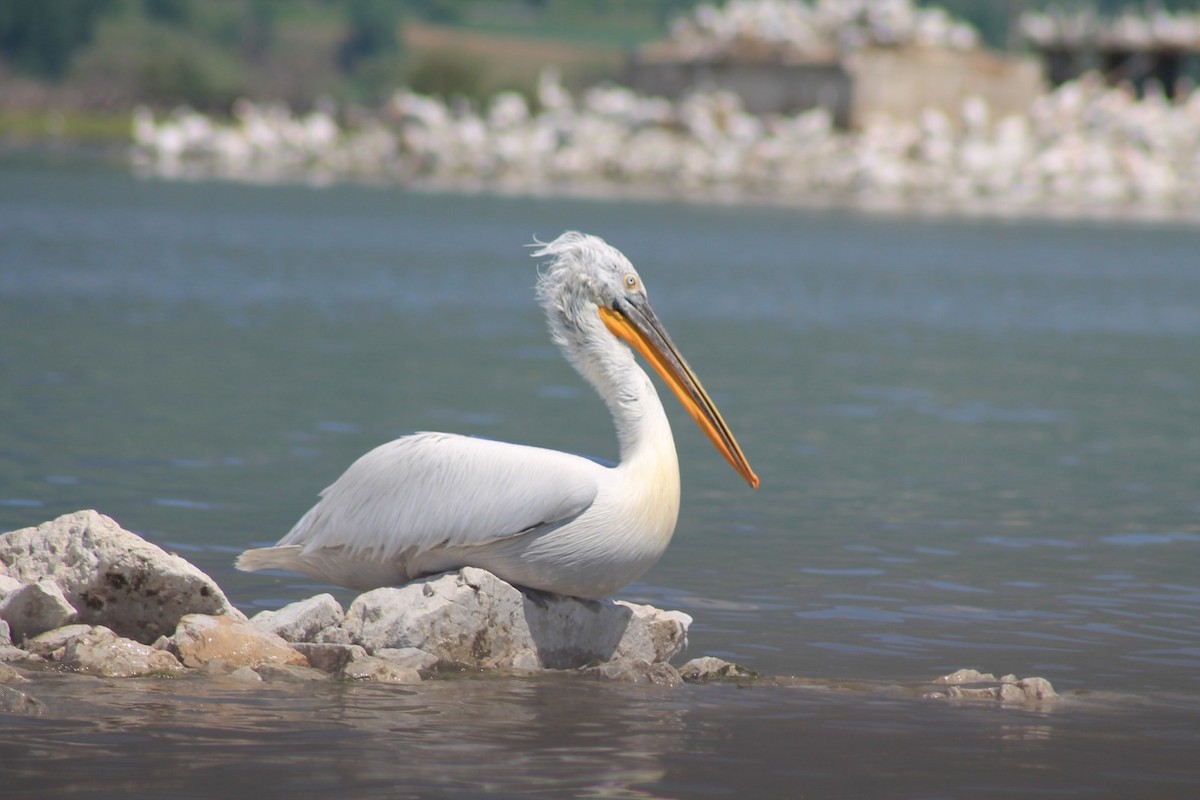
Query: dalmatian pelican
[(537, 518)]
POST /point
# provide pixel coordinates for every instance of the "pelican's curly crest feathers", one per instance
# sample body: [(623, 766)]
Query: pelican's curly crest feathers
[(583, 271)]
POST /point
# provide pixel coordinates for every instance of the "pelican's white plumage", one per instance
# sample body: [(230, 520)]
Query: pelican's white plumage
[(537, 518)]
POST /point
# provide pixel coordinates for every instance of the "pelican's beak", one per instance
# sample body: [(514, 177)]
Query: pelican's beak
[(633, 321)]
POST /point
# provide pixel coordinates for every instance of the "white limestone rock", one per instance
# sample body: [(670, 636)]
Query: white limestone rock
[(50, 642), (333, 635), (35, 608), (301, 621), (471, 617), (710, 668), (96, 650), (378, 670), (5, 633), (969, 684), (8, 584), (634, 670), (409, 657), (961, 676), (113, 577)]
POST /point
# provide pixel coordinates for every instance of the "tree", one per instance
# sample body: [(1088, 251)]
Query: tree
[(41, 36), (373, 25)]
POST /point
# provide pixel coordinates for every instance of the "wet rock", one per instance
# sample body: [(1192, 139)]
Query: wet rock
[(35, 608), (327, 657), (634, 670), (9, 653), (51, 642), (969, 684), (10, 675), (473, 618), (962, 676), (13, 701), (709, 668), (201, 638), (409, 657), (378, 670), (1037, 689), (113, 577), (243, 675), (289, 673), (300, 622), (101, 652), (5, 633)]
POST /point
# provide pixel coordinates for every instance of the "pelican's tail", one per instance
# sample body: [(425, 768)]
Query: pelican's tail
[(330, 565), (286, 558)]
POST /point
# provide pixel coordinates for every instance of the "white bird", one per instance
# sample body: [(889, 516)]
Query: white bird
[(537, 518)]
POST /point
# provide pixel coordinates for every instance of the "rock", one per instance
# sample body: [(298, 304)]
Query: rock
[(243, 675), (10, 675), (331, 658), (474, 618), (101, 652), (48, 643), (113, 577), (409, 657), (1037, 689), (968, 684), (201, 638), (293, 673), (378, 670), (708, 668), (35, 608), (300, 622), (634, 670), (8, 585), (10, 653), (965, 676), (333, 635), (5, 633), (13, 701)]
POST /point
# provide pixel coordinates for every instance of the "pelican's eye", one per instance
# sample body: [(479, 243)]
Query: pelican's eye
[(631, 282)]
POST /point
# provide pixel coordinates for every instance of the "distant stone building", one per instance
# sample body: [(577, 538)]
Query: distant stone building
[(1135, 49), (899, 82)]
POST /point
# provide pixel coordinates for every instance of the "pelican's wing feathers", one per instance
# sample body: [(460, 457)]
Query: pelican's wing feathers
[(433, 490)]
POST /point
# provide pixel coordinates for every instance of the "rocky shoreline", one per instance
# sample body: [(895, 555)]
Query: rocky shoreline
[(80, 594)]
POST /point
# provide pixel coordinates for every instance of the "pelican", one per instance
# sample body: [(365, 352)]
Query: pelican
[(537, 518)]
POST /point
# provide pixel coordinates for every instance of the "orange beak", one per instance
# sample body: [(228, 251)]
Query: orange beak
[(634, 322)]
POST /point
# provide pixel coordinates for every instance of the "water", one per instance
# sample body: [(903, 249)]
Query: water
[(979, 445)]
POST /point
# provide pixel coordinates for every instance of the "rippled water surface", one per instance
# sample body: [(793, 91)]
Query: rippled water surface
[(979, 443)]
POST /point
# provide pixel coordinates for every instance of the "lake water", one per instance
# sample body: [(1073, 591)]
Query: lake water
[(979, 444)]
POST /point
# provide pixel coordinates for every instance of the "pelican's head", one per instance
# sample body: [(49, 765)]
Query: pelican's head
[(592, 294)]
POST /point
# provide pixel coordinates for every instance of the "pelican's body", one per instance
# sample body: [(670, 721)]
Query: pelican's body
[(538, 518)]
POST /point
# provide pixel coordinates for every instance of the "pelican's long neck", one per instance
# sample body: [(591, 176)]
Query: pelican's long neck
[(637, 412), (610, 367)]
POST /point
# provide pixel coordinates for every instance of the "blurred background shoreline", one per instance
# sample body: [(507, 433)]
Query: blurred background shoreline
[(1014, 108)]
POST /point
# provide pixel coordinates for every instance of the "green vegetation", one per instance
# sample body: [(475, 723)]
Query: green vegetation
[(83, 128), (100, 57), (41, 36)]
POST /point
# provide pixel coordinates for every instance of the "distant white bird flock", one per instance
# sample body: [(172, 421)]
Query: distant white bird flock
[(1082, 146), (818, 28), (1159, 27)]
